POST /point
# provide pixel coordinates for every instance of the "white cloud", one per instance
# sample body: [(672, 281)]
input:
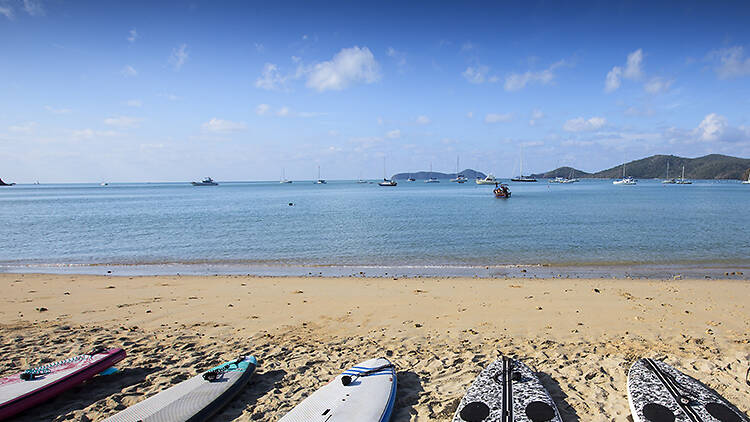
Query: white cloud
[(129, 71), (633, 70), (33, 7), (657, 85), (259, 47), (310, 114), (170, 97), (536, 115), (613, 79), (350, 65), (398, 56), (475, 74), (712, 128), (262, 109), (270, 78), (422, 120), (517, 81), (223, 126), (179, 56), (733, 62), (470, 115), (134, 103), (468, 46), (633, 67), (25, 128), (296, 59), (132, 35), (580, 124), (90, 133), (122, 121), (498, 117), (283, 112), (58, 110), (396, 133), (7, 11)]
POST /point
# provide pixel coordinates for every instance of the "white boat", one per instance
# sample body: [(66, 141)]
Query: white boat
[(460, 178), (386, 181), (747, 182), (100, 184), (205, 182), (488, 180), (320, 181), (521, 177), (431, 179), (283, 177), (668, 181), (558, 179), (625, 180), (681, 180)]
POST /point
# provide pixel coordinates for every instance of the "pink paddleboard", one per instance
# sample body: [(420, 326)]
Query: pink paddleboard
[(31, 387)]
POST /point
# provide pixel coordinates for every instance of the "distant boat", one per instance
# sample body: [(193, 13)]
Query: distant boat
[(283, 177), (320, 181), (386, 181), (668, 181), (431, 179), (681, 180), (624, 180), (6, 184), (205, 182), (488, 180), (103, 184), (411, 179), (747, 182), (521, 177), (459, 177)]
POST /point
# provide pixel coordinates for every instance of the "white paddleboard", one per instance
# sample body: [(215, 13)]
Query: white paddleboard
[(657, 392), (507, 391), (368, 396), (195, 399)]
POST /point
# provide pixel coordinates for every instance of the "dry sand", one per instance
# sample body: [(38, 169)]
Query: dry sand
[(580, 335)]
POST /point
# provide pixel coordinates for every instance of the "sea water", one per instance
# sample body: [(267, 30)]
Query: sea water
[(344, 227)]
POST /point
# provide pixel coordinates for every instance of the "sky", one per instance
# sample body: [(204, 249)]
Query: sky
[(96, 91)]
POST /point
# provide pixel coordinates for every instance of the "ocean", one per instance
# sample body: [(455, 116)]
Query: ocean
[(345, 228)]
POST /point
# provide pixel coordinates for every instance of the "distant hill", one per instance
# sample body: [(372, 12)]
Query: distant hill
[(420, 175), (713, 166), (562, 172)]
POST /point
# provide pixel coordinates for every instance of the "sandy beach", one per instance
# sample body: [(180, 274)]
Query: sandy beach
[(580, 335)]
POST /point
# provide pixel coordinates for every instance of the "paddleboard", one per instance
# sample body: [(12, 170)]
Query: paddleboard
[(195, 399), (657, 392), (507, 391), (37, 385), (363, 393)]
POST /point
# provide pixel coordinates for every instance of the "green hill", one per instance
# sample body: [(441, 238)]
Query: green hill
[(713, 166), (419, 175)]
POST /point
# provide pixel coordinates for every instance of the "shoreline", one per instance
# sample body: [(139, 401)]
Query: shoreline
[(581, 335)]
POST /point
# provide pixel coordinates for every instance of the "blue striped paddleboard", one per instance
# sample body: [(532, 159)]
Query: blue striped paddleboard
[(195, 399), (363, 393)]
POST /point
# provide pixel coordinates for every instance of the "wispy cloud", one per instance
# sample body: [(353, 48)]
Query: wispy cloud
[(7, 11), (393, 134), (262, 109), (498, 117), (633, 70), (223, 126), (129, 71), (134, 103), (132, 35), (422, 120), (398, 56), (33, 7), (58, 110), (282, 112), (122, 121), (270, 78), (24, 128), (657, 85), (476, 74), (179, 56), (348, 66), (536, 116), (581, 124), (732, 62), (91, 134), (517, 81)]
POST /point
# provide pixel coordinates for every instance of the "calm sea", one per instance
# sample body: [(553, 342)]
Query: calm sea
[(344, 227)]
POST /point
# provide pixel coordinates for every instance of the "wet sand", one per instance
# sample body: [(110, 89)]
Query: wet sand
[(580, 335)]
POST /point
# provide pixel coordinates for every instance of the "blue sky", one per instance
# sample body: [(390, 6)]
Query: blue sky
[(136, 91)]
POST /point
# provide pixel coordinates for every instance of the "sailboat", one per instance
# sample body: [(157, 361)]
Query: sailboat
[(283, 177), (386, 181), (624, 180), (521, 177), (747, 182), (431, 179), (411, 178), (320, 181), (459, 177), (668, 181), (682, 180)]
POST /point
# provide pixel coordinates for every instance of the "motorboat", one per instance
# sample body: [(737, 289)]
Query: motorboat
[(488, 180), (205, 182), (558, 179), (501, 191), (387, 182)]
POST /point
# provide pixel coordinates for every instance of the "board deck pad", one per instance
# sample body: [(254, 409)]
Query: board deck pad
[(507, 391), (36, 385), (195, 399), (369, 397), (657, 392)]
